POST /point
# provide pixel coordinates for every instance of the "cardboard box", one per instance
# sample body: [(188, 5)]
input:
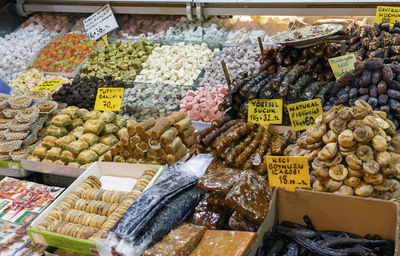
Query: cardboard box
[(328, 211), (98, 169)]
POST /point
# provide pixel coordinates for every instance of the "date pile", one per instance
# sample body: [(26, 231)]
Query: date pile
[(157, 142), (353, 151), (376, 41), (290, 85), (374, 82), (240, 144)]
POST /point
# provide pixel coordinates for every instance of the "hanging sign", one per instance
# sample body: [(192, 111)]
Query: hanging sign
[(100, 23)]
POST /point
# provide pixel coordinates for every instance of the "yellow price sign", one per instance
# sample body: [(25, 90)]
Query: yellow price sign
[(289, 172), (342, 64), (387, 13), (48, 85), (262, 111), (303, 114), (109, 99)]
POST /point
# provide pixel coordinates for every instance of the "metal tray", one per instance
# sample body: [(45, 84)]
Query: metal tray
[(16, 173), (49, 168)]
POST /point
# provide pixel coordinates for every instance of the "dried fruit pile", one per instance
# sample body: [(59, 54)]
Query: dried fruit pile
[(374, 82), (63, 55), (377, 41), (353, 151)]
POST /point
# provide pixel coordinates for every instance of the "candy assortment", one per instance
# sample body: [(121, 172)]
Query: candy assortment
[(175, 64), (64, 54), (151, 100), (120, 61), (202, 104), (29, 79), (48, 22)]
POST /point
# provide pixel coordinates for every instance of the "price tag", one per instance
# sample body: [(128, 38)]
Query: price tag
[(289, 172), (48, 85), (342, 64), (100, 23), (263, 111), (303, 114), (109, 99), (387, 13)]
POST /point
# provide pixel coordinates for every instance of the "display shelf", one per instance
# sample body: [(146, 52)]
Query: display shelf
[(202, 8)]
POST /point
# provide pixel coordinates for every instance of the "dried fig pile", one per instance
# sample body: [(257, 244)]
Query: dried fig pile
[(353, 151), (372, 81)]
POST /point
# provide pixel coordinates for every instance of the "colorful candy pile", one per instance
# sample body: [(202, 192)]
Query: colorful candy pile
[(202, 104), (64, 54)]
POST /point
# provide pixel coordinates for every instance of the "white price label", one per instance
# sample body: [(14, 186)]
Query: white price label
[(100, 23)]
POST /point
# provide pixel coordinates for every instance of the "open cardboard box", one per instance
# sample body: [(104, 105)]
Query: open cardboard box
[(328, 211), (98, 169)]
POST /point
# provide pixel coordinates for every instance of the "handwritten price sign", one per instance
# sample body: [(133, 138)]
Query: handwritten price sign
[(387, 13), (303, 114), (342, 64), (109, 99), (100, 23), (48, 85), (263, 111), (289, 172)]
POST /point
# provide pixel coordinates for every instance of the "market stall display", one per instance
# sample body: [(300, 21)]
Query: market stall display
[(120, 61), (29, 79), (22, 121), (175, 64), (202, 104), (82, 92), (151, 27), (78, 137), (354, 151), (241, 59), (375, 41), (163, 141), (64, 54), (155, 100)]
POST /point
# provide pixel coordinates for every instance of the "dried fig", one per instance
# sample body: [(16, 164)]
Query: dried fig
[(383, 158), (338, 172), (347, 153), (328, 116), (352, 181), (329, 137), (355, 173), (354, 162), (337, 125), (319, 120), (328, 152), (345, 190), (389, 172), (365, 153), (311, 140), (363, 189), (333, 185), (316, 131), (346, 139), (344, 149), (386, 185), (311, 155), (363, 133), (322, 173), (301, 142), (370, 167), (371, 122), (318, 186), (353, 124), (374, 180), (345, 113), (362, 105), (316, 145), (379, 143), (334, 161)]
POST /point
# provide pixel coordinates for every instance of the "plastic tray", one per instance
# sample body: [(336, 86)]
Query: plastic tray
[(54, 169)]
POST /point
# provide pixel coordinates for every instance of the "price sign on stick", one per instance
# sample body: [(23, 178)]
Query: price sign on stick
[(342, 64), (387, 13), (303, 114), (48, 85), (109, 99), (100, 23), (263, 111), (289, 172)]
